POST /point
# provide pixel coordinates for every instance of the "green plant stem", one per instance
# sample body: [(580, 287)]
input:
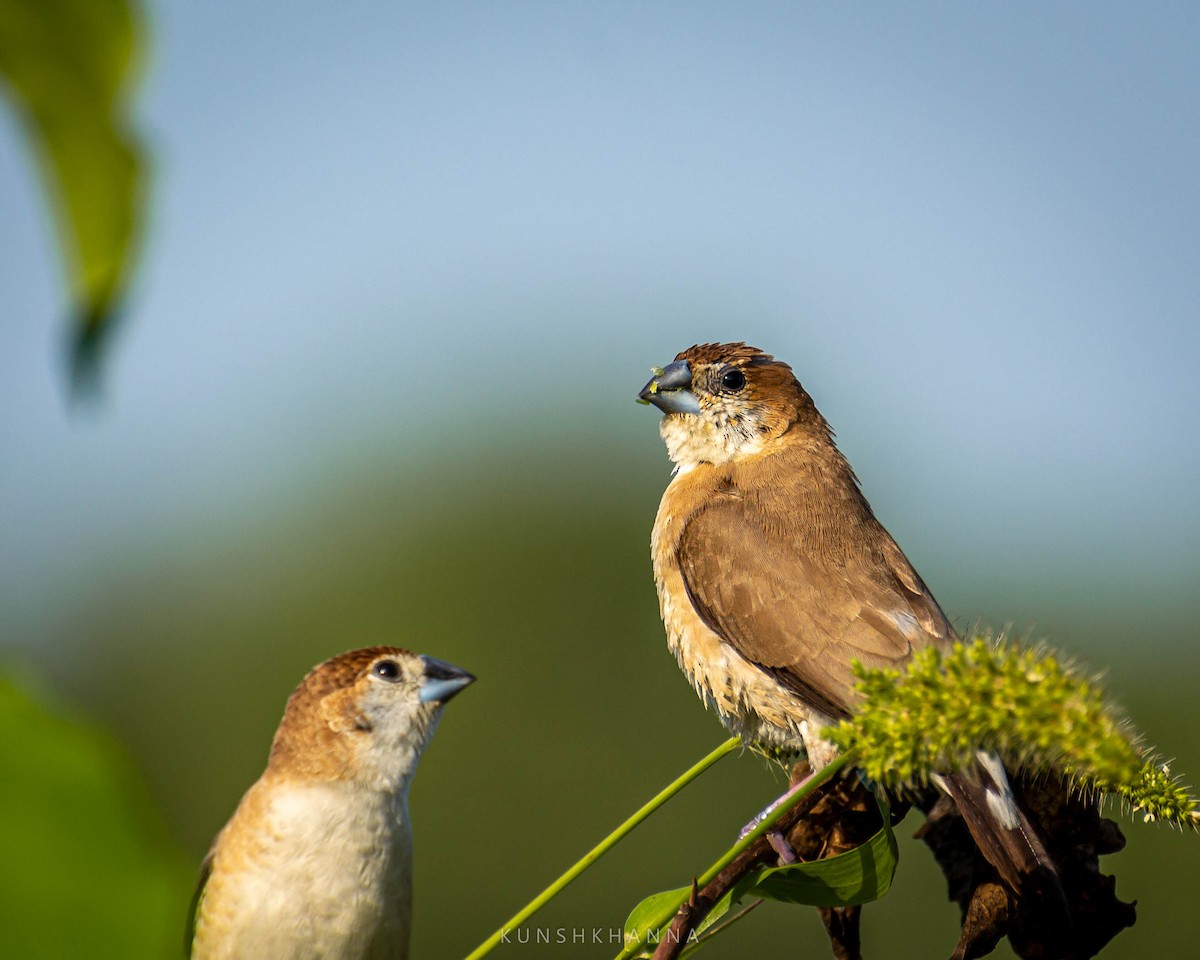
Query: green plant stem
[(604, 846), (824, 775)]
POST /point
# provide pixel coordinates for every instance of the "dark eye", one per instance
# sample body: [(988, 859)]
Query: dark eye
[(733, 380), (387, 670)]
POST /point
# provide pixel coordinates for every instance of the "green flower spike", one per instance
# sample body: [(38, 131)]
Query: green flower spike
[(1036, 712)]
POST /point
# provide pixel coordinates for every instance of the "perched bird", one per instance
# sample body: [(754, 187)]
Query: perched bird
[(773, 575), (316, 861)]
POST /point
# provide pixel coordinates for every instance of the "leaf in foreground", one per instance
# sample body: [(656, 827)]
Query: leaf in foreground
[(857, 876), (66, 65), (88, 871)]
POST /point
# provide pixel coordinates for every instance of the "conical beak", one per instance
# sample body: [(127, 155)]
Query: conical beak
[(443, 680), (669, 389)]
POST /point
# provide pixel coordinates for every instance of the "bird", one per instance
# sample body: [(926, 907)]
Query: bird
[(316, 860), (774, 575)]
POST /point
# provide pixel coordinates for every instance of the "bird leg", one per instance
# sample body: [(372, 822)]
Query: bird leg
[(844, 816), (774, 805), (780, 845)]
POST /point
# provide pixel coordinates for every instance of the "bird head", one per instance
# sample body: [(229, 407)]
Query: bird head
[(723, 402), (364, 716)]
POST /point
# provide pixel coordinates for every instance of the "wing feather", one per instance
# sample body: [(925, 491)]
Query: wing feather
[(800, 613)]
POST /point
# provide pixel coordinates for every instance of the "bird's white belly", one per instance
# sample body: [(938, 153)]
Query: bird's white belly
[(326, 884)]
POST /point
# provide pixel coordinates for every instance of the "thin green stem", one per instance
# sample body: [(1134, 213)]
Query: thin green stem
[(604, 846), (824, 775)]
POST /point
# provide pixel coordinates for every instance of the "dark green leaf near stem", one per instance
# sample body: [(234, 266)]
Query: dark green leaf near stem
[(859, 875)]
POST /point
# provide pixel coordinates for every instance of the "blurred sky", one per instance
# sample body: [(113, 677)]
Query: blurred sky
[(973, 229)]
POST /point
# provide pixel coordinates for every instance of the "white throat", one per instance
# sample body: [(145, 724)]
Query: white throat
[(692, 439)]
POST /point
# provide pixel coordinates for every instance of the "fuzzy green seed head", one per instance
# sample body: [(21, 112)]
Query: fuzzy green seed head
[(1036, 712)]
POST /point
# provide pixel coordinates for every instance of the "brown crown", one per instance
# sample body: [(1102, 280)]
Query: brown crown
[(725, 353), (307, 743), (336, 673)]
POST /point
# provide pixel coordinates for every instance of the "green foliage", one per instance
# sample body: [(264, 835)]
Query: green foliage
[(66, 65), (86, 869), (857, 876), (1037, 713), (1034, 711)]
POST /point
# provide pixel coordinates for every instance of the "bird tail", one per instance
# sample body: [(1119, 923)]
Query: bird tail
[(1001, 830)]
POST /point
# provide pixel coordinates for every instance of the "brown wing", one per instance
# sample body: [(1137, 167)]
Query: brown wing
[(801, 613)]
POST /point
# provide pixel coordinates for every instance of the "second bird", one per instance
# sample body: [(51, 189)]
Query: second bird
[(316, 862)]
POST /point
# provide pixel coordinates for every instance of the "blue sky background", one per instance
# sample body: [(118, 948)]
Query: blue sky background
[(973, 230)]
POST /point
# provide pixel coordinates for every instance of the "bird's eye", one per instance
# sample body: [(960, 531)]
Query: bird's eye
[(733, 380), (387, 670)]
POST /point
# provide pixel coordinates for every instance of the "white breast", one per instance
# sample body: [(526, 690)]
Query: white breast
[(325, 873)]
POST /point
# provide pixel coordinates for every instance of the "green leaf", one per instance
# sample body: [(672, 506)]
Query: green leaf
[(856, 876), (643, 916), (66, 66), (88, 870)]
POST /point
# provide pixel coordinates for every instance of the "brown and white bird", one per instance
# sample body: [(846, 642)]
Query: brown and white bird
[(316, 861), (773, 575)]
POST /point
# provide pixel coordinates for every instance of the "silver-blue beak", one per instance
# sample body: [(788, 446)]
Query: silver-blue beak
[(442, 680), (669, 389)]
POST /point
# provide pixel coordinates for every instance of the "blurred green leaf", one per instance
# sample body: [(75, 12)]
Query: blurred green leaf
[(857, 876), (85, 867), (66, 65)]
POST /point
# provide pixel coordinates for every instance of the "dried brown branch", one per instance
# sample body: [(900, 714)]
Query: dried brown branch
[(1076, 836)]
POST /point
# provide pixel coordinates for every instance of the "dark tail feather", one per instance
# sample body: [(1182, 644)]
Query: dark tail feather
[(1001, 830), (1047, 896)]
